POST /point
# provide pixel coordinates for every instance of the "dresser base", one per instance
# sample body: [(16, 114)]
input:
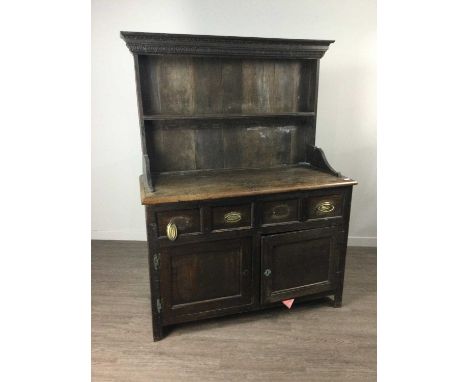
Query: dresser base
[(160, 331)]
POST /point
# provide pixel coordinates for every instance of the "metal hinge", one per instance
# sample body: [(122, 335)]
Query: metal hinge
[(158, 305), (156, 261)]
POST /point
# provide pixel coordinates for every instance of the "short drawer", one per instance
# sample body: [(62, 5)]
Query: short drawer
[(186, 221), (236, 216), (324, 206), (279, 211)]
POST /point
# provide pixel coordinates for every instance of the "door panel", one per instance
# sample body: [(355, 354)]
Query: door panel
[(206, 276), (299, 263)]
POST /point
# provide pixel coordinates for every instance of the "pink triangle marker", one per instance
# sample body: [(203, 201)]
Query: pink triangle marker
[(288, 303)]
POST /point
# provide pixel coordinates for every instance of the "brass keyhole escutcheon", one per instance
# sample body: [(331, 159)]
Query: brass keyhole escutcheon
[(267, 272), (171, 231), (325, 207)]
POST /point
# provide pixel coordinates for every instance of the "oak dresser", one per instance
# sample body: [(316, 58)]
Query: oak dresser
[(243, 210)]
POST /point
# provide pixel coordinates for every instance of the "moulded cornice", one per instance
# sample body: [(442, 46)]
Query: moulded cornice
[(205, 45)]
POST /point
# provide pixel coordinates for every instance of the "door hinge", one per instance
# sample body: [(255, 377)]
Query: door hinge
[(158, 305), (156, 258)]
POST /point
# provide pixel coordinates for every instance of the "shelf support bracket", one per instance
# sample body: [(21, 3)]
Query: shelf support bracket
[(316, 158)]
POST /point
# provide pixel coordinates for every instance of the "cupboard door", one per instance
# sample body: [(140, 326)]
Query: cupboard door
[(202, 277), (299, 263)]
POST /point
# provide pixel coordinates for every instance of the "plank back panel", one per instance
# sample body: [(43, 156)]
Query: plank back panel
[(183, 85), (187, 148)]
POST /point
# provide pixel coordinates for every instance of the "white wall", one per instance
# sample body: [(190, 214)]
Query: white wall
[(346, 125)]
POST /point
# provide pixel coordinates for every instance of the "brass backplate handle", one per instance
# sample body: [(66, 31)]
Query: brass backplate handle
[(232, 217), (171, 231), (325, 207)]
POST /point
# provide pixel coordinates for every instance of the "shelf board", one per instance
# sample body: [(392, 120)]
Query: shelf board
[(171, 117)]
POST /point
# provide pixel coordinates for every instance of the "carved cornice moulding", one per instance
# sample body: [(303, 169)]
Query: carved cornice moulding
[(205, 45)]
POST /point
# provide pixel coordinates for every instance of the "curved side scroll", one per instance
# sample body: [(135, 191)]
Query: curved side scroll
[(316, 158)]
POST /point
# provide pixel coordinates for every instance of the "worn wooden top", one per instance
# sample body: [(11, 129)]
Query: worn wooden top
[(194, 186)]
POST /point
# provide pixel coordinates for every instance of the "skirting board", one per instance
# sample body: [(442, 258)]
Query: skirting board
[(359, 241), (353, 241), (132, 235)]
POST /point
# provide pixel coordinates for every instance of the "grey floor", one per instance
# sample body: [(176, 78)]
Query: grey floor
[(311, 342)]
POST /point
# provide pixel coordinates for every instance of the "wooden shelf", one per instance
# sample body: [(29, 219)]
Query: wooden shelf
[(163, 117), (216, 184)]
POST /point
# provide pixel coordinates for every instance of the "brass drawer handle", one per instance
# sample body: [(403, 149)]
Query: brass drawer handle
[(232, 217), (171, 231), (267, 272), (325, 207)]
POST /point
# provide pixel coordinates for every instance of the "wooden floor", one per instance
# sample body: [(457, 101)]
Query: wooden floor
[(311, 342)]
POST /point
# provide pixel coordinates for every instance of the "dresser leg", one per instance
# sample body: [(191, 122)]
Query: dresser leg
[(340, 273), (337, 300), (158, 332)]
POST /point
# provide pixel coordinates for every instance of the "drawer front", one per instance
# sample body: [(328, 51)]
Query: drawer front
[(280, 211), (236, 216), (186, 221), (324, 206)]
